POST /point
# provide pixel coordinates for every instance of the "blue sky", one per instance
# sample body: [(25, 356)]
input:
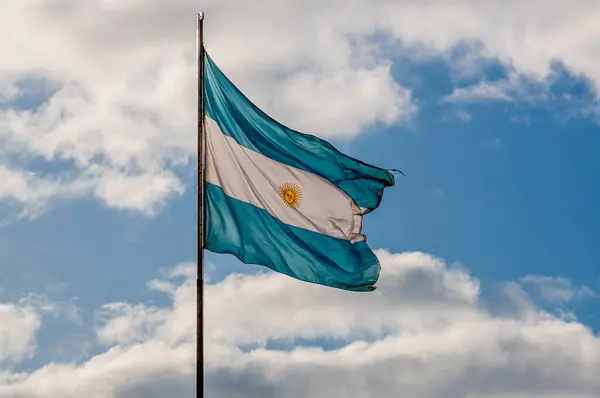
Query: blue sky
[(499, 199)]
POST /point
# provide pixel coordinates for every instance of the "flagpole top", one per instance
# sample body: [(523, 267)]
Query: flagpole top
[(200, 16)]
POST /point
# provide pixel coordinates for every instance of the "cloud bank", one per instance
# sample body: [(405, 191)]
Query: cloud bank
[(426, 332)]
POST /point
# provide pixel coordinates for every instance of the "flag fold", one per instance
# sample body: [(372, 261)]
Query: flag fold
[(282, 199)]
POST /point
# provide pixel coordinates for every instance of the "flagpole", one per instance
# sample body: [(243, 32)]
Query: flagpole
[(200, 246)]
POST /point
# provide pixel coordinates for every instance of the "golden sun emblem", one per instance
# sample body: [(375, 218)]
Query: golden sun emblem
[(291, 195)]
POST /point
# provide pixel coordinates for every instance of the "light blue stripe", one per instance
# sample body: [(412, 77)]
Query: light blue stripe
[(255, 237), (250, 127)]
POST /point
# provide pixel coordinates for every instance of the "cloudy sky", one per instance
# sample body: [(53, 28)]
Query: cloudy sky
[(489, 246)]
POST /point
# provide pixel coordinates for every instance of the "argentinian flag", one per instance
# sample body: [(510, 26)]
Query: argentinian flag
[(283, 199)]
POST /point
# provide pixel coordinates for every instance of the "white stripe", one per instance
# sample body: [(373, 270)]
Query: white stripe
[(253, 178)]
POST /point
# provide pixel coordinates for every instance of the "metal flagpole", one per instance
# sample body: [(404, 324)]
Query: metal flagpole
[(200, 246)]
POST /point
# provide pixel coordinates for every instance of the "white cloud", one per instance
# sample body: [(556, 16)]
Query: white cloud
[(556, 289), (18, 326), (426, 332), (23, 186), (43, 304), (9, 93), (513, 88), (482, 91)]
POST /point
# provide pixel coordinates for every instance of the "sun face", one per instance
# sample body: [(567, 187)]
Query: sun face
[(291, 195)]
